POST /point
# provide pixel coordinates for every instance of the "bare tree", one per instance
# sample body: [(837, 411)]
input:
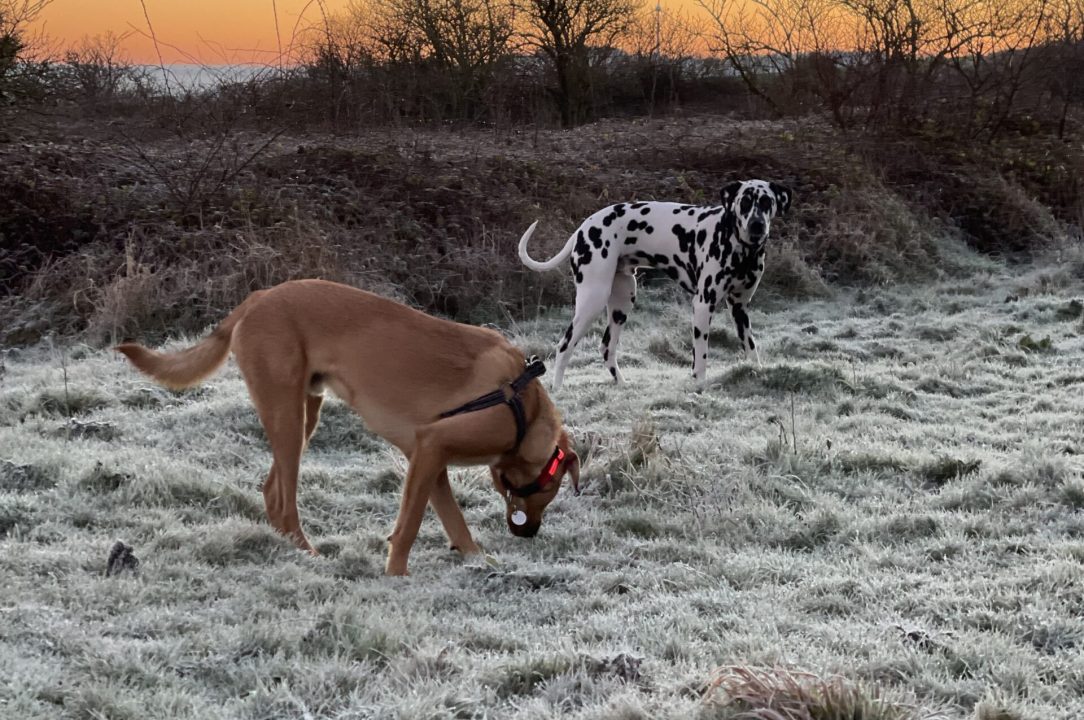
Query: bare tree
[(99, 70), (1064, 33), (784, 49), (462, 39), (564, 31), (663, 43), (15, 17)]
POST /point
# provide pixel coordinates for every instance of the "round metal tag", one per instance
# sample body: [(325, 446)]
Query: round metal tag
[(519, 517)]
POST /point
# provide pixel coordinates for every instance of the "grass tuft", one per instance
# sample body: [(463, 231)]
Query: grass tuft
[(235, 544), (786, 378), (17, 514), (101, 480), (945, 469), (24, 478), (68, 402), (1070, 311), (346, 636), (776, 693), (1028, 344)]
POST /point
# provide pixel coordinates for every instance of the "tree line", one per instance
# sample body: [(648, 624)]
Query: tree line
[(983, 66)]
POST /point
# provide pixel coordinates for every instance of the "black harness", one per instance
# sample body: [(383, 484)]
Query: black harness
[(509, 395), (533, 369)]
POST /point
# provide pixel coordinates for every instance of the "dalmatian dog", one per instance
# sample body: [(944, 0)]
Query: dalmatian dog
[(715, 253)]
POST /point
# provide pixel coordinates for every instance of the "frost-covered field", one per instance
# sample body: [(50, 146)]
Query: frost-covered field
[(894, 497)]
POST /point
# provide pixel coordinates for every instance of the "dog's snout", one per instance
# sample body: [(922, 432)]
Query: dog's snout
[(757, 226), (525, 531)]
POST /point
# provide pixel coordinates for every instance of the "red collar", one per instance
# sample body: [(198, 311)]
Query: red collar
[(540, 483)]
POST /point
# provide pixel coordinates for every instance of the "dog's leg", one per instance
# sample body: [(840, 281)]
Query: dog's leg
[(283, 418), (451, 517), (622, 297), (590, 301), (273, 380), (701, 325), (427, 463), (312, 415), (745, 333)]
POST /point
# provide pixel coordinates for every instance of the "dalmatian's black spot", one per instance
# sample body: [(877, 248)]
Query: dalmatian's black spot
[(645, 211), (696, 333), (615, 212), (635, 225), (741, 320), (619, 317), (630, 240), (606, 336), (596, 236), (672, 272), (581, 253), (638, 205), (708, 213), (656, 259), (605, 252), (685, 238), (566, 339), (649, 229), (613, 371)]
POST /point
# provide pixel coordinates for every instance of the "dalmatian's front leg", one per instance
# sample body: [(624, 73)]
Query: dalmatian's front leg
[(701, 324), (745, 333)]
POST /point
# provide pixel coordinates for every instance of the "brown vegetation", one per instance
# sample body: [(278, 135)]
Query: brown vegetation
[(416, 141)]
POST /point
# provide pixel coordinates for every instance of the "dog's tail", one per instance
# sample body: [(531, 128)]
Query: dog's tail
[(190, 366), (548, 264)]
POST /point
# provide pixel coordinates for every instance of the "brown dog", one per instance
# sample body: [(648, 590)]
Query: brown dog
[(414, 379)]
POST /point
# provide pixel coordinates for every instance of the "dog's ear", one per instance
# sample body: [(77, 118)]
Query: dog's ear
[(783, 196), (730, 192), (572, 461)]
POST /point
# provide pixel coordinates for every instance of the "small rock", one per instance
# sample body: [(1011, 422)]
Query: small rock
[(121, 559)]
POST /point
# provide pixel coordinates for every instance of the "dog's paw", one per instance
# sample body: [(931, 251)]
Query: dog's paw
[(395, 569), (465, 549), (698, 384)]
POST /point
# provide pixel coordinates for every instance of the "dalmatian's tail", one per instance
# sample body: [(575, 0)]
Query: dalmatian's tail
[(548, 264)]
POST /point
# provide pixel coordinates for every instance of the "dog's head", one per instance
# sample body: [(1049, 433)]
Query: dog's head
[(528, 487), (754, 203)]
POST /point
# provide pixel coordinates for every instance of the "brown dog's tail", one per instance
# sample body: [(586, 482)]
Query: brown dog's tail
[(192, 365)]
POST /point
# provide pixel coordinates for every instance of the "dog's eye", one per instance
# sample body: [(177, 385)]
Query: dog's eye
[(746, 204), (765, 204)]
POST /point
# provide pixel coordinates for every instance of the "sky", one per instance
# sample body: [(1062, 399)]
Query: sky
[(201, 31), (205, 32)]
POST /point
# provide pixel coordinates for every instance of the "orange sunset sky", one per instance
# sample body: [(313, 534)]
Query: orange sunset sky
[(200, 31), (203, 31)]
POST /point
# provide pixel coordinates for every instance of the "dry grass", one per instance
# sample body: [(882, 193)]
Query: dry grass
[(777, 693), (119, 229)]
